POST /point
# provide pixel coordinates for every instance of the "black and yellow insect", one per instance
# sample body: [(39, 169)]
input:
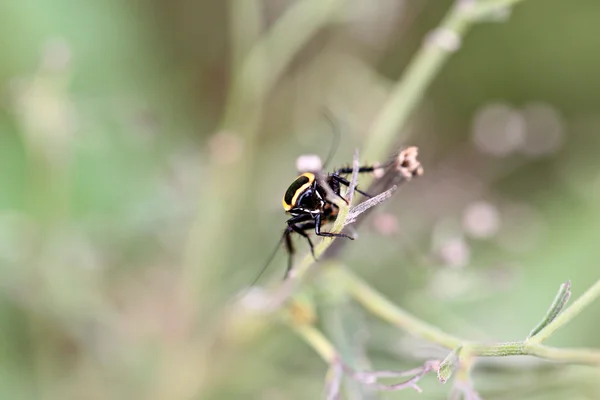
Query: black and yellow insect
[(306, 200)]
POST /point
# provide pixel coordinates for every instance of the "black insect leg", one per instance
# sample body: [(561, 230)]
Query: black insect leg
[(335, 187), (290, 249), (327, 234), (345, 182), (361, 170), (307, 223), (301, 223), (300, 230)]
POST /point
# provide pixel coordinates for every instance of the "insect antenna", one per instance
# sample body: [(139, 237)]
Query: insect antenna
[(336, 136), (269, 260)]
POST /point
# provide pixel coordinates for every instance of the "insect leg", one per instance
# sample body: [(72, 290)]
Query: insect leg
[(300, 230), (345, 182), (335, 187), (361, 170), (327, 234), (293, 227), (290, 249)]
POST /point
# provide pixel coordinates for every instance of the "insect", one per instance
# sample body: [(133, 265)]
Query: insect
[(306, 201)]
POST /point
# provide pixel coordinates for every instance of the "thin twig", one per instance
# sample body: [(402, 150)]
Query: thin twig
[(404, 167), (465, 349), (369, 378), (560, 301), (354, 212), (385, 309), (571, 312), (449, 365), (334, 381), (354, 179), (464, 390)]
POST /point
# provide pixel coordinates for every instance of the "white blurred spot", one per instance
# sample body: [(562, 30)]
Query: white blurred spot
[(256, 299), (225, 148), (309, 162), (446, 39), (386, 223), (449, 245), (481, 220), (378, 172), (466, 5), (455, 252), (450, 284), (56, 55), (498, 129), (544, 130)]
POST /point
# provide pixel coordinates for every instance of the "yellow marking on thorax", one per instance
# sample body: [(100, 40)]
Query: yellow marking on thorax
[(299, 191)]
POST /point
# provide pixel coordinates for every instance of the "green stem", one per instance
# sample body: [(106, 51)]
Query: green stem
[(574, 356), (560, 301), (317, 341), (577, 356), (328, 353), (340, 322), (495, 349), (385, 309), (407, 93), (269, 58), (567, 315), (419, 74)]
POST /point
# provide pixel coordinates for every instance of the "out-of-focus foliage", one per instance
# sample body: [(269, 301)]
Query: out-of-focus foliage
[(130, 214)]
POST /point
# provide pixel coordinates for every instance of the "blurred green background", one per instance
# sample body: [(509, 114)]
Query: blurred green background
[(139, 192)]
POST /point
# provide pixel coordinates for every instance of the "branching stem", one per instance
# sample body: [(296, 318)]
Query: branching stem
[(567, 315)]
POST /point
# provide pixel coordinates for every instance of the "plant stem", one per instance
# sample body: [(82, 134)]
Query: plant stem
[(575, 356), (269, 58), (317, 341), (560, 301), (495, 349), (424, 67), (385, 309), (343, 325), (407, 93), (567, 315)]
